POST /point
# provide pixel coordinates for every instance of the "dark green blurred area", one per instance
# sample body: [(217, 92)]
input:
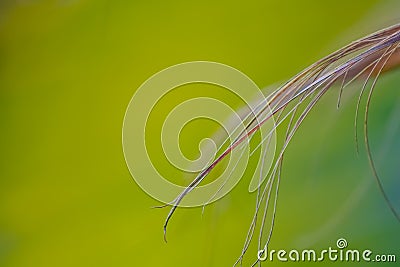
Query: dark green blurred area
[(67, 72)]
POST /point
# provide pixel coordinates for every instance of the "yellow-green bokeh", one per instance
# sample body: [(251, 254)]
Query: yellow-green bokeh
[(68, 69)]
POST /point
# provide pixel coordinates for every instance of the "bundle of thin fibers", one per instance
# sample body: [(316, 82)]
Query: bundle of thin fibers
[(365, 59)]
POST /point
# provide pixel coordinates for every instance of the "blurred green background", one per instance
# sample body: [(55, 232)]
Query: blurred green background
[(68, 69)]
